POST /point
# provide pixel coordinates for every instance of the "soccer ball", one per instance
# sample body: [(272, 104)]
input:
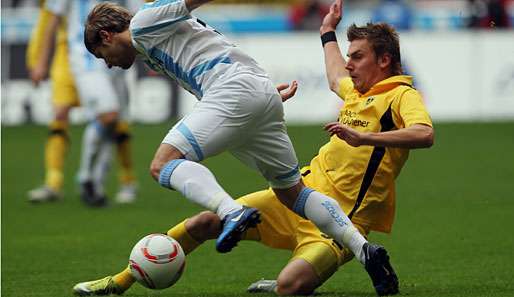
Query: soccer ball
[(157, 261)]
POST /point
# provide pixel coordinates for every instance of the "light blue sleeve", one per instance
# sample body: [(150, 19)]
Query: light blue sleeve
[(158, 15)]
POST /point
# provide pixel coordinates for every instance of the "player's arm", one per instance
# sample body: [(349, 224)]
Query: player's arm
[(40, 71), (162, 13), (334, 61), (415, 136)]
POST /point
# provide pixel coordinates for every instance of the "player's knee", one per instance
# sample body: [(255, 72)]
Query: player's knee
[(289, 196), (290, 285), (61, 114), (205, 225), (297, 278), (108, 119), (155, 169), (164, 155)]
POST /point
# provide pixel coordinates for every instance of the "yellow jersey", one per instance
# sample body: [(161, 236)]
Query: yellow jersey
[(64, 92), (363, 178)]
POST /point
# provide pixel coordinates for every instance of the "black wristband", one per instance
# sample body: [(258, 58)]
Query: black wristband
[(328, 37)]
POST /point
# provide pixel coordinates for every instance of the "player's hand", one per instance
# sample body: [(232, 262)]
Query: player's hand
[(38, 73), (333, 17), (287, 91), (351, 136)]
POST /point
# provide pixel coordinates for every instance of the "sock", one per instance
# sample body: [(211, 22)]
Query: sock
[(93, 136), (55, 152), (101, 166), (123, 145), (124, 279), (197, 184), (330, 219), (179, 232)]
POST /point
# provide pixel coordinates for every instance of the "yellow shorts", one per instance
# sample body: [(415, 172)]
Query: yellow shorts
[(64, 92), (281, 228)]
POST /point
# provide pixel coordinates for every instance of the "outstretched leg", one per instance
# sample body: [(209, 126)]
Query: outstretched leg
[(190, 233), (328, 216)]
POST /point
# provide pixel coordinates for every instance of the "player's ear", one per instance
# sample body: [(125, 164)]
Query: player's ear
[(384, 61), (105, 36)]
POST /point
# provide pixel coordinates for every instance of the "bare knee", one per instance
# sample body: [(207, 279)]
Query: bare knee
[(62, 112), (108, 119), (294, 287), (288, 196), (297, 278), (164, 154), (205, 225), (155, 169)]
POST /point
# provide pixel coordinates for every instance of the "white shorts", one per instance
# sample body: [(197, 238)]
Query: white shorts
[(102, 91), (244, 116)]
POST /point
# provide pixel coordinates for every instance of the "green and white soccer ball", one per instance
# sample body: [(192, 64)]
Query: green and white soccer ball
[(157, 261)]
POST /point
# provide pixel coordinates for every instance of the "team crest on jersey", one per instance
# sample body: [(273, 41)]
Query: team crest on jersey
[(369, 100)]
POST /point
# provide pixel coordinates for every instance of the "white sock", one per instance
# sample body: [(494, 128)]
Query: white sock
[(328, 216), (199, 185), (91, 141), (102, 165)]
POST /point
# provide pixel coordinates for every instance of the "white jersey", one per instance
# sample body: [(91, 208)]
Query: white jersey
[(174, 43)]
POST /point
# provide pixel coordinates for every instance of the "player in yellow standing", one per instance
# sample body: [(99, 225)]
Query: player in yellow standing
[(64, 98), (382, 119)]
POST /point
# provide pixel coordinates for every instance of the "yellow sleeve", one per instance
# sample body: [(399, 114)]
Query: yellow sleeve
[(412, 110), (36, 38), (345, 87)]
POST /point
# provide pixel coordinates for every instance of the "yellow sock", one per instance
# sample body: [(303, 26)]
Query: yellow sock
[(180, 234), (124, 279), (55, 152), (122, 137)]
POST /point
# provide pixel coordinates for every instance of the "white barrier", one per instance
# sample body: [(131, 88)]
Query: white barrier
[(462, 75), (465, 76)]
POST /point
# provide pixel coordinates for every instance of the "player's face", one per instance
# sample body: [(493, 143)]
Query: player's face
[(363, 66), (116, 53)]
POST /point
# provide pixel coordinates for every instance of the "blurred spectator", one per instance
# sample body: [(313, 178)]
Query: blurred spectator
[(477, 12), (488, 14), (497, 14), (394, 12), (307, 14), (19, 3)]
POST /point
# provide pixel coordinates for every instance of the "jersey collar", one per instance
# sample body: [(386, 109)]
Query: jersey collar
[(389, 84)]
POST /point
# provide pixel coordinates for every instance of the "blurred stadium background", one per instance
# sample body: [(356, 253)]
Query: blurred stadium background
[(461, 57), (452, 235)]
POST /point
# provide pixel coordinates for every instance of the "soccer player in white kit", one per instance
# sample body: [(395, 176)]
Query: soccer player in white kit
[(239, 110), (103, 92)]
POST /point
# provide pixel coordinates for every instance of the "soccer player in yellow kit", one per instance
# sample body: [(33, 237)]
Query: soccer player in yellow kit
[(64, 98), (382, 118)]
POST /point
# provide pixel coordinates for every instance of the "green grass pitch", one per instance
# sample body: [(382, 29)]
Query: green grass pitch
[(452, 235)]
